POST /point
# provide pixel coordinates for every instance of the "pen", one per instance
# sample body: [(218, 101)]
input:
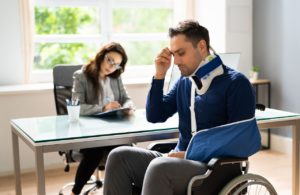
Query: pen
[(68, 102), (76, 103)]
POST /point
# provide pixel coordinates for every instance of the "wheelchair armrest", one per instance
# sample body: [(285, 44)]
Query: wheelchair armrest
[(223, 161), (216, 174), (163, 147)]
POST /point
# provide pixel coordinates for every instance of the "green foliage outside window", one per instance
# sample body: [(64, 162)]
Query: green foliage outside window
[(142, 52), (86, 21), (141, 20), (50, 54), (65, 20)]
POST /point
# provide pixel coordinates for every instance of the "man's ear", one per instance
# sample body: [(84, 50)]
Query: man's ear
[(202, 45)]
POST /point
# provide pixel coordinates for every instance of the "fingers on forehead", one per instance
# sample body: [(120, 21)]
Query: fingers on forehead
[(167, 50)]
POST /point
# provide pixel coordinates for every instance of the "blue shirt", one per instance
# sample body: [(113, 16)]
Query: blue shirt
[(230, 98)]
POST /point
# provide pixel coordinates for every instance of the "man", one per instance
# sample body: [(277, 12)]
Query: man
[(208, 94)]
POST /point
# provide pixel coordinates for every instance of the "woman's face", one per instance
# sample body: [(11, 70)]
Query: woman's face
[(111, 63)]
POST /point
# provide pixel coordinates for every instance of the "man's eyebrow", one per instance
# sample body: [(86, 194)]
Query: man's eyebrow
[(176, 51)]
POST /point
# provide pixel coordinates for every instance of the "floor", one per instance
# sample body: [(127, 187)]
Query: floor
[(276, 167)]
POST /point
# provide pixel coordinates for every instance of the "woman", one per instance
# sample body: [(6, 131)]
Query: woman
[(99, 88)]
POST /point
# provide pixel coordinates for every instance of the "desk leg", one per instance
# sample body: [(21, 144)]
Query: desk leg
[(269, 106), (295, 159), (40, 174), (15, 144)]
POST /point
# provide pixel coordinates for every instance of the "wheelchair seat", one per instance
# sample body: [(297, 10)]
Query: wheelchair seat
[(220, 172), (224, 176)]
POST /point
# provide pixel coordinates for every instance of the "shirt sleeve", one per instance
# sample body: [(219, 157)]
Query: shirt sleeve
[(160, 107)]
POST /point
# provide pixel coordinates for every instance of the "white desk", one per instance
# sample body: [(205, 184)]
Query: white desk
[(272, 118), (54, 133)]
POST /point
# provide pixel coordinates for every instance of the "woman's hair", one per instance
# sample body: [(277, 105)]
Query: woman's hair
[(92, 69), (193, 31)]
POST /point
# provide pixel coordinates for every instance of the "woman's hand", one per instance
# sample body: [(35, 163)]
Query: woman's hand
[(131, 107), (129, 111), (111, 106)]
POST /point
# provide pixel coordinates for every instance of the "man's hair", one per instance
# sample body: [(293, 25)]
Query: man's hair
[(193, 31)]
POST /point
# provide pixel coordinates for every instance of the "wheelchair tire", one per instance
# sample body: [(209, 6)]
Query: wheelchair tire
[(248, 184)]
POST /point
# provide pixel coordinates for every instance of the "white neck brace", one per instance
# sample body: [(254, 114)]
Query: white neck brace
[(206, 80)]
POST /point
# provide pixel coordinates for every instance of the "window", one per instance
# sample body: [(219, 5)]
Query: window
[(71, 33)]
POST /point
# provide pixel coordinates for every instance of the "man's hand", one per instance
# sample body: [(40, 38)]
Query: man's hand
[(162, 63), (180, 154)]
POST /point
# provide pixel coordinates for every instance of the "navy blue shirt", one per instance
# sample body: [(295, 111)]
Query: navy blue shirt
[(230, 98)]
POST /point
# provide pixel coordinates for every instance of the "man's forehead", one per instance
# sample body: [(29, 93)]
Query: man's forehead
[(179, 43)]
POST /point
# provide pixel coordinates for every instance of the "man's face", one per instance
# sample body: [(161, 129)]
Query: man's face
[(186, 56)]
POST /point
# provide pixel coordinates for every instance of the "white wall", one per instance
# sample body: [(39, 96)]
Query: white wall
[(19, 105), (230, 26), (11, 68), (212, 15), (239, 31)]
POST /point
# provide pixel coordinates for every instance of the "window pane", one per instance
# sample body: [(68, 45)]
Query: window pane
[(142, 53), (141, 20), (47, 55), (67, 20)]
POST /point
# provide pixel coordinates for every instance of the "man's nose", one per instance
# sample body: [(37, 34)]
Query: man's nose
[(177, 60)]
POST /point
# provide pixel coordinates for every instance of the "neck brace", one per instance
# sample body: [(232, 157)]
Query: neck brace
[(201, 79), (208, 69)]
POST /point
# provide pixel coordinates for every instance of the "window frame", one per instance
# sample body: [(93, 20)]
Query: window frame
[(133, 74)]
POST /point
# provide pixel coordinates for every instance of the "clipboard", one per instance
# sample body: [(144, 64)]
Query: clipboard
[(114, 112)]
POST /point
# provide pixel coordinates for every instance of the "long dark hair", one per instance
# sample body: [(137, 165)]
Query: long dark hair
[(92, 69)]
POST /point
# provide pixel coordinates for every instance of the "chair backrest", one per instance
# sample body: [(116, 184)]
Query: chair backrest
[(63, 82)]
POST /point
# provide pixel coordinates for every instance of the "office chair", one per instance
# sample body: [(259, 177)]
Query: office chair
[(63, 82)]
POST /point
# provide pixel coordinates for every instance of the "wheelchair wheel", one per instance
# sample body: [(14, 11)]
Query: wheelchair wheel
[(248, 184)]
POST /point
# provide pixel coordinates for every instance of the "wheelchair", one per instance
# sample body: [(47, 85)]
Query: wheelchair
[(224, 176)]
